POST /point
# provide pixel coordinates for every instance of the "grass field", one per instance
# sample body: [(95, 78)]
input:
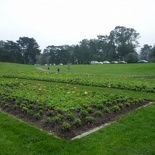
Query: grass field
[(131, 135)]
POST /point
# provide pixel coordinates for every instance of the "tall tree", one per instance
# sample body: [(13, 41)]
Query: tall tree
[(84, 55), (145, 52), (14, 51), (30, 49), (152, 54), (125, 40)]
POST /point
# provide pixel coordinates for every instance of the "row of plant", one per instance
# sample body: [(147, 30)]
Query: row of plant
[(127, 83), (66, 106)]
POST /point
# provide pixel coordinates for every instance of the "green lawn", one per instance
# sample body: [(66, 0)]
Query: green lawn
[(131, 135)]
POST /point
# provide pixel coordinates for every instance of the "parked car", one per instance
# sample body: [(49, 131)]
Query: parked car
[(142, 61), (106, 62), (94, 62), (114, 62), (122, 62)]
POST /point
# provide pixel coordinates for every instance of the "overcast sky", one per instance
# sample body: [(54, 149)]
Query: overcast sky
[(59, 22)]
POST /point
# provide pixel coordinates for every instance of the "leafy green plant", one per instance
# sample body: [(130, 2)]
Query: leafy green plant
[(50, 112), (5, 105), (30, 106), (120, 105), (25, 109), (77, 122), (65, 126), (57, 118), (98, 113), (29, 112), (127, 104), (108, 103), (106, 110), (83, 113), (70, 115), (15, 106), (89, 119), (48, 120), (40, 112), (40, 107), (36, 116), (100, 106), (90, 110), (116, 108)]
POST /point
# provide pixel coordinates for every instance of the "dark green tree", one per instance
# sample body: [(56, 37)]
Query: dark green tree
[(152, 54), (29, 48), (124, 40), (145, 52), (84, 55), (14, 51)]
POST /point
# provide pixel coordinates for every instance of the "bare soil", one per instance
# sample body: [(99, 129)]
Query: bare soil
[(56, 128)]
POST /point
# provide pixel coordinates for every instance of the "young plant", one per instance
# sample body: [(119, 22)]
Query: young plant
[(25, 109), (127, 104), (48, 120), (50, 112), (98, 113), (65, 126), (83, 113), (106, 110), (90, 110), (120, 105), (90, 119), (70, 116), (116, 108), (29, 112), (57, 118), (15, 106), (100, 106), (37, 115), (77, 122)]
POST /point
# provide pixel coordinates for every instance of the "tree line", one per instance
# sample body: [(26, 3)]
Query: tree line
[(120, 44)]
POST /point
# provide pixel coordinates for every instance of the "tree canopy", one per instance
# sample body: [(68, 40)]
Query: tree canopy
[(119, 45)]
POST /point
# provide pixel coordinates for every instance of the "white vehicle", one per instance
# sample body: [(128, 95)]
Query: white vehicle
[(114, 62), (94, 62), (106, 62), (122, 62)]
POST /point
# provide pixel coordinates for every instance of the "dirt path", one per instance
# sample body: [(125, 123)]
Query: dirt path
[(41, 69)]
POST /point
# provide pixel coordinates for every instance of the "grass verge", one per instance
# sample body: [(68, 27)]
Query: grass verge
[(133, 134)]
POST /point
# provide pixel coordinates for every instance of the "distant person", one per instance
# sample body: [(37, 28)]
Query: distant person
[(58, 68), (68, 67), (48, 67)]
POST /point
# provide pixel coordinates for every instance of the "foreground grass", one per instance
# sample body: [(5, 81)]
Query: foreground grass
[(133, 134)]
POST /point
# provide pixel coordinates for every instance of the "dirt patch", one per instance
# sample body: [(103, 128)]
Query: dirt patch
[(55, 128)]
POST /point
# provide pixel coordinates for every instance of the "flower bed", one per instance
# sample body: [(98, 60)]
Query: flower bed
[(66, 111), (127, 83)]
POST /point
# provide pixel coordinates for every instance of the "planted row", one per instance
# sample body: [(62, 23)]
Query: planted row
[(128, 83), (63, 107)]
